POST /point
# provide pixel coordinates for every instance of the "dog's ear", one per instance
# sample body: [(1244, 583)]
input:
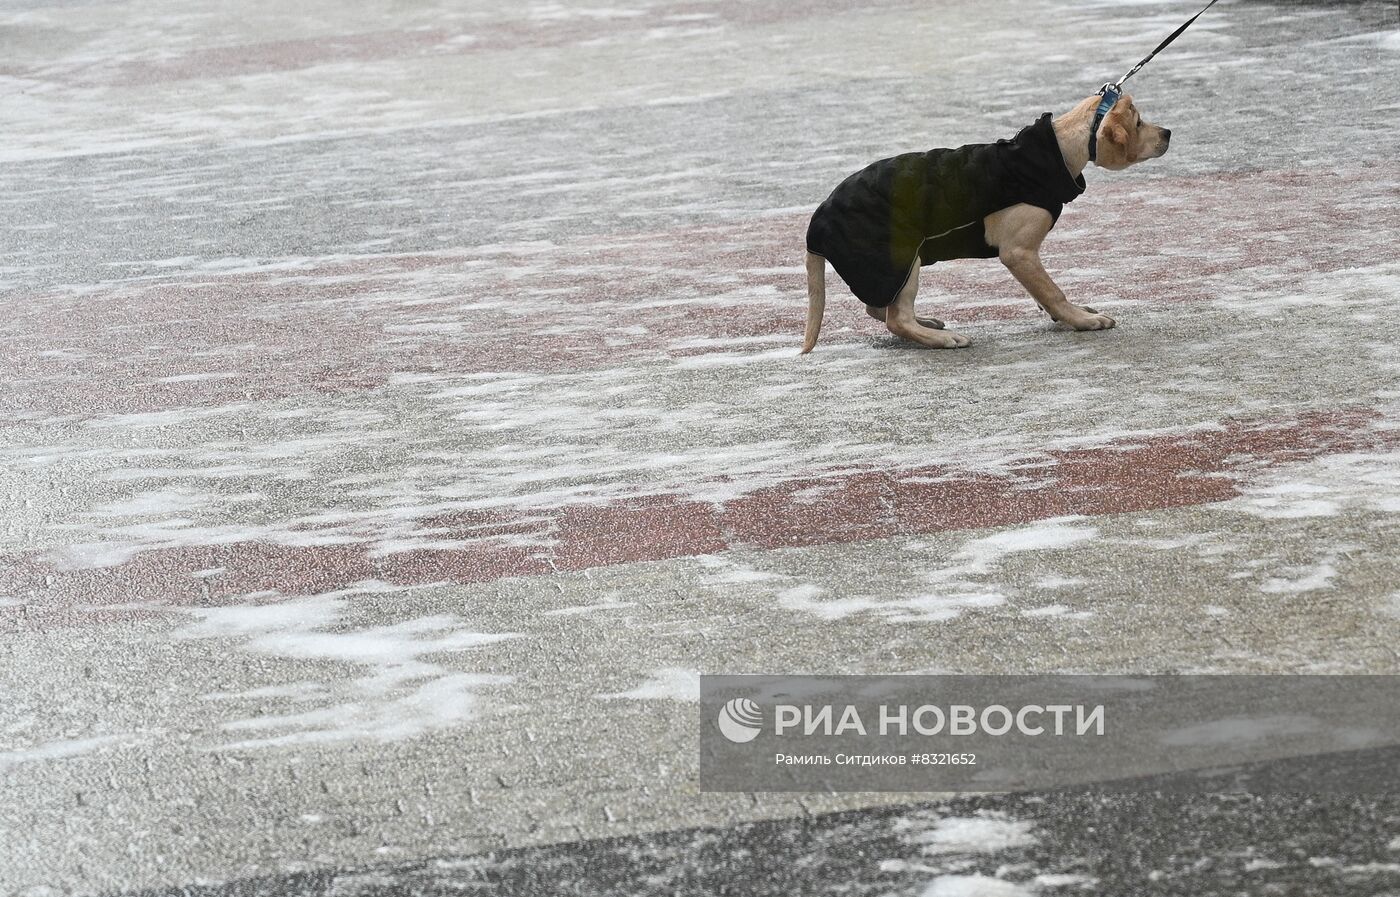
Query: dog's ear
[(1114, 129)]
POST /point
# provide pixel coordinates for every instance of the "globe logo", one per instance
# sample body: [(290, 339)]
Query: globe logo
[(740, 720)]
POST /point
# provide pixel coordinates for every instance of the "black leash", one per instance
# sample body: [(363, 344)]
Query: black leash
[(1160, 47), (1111, 92)]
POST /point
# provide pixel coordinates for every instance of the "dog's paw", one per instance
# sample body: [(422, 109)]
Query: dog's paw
[(1082, 317), (927, 336), (951, 339)]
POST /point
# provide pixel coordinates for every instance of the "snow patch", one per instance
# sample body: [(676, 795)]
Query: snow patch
[(400, 694), (1065, 880), (957, 587), (160, 502), (669, 684), (974, 886), (982, 556), (1261, 864), (1307, 579), (56, 750), (974, 834), (92, 555)]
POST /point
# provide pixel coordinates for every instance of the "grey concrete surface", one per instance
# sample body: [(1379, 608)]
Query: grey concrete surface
[(402, 411)]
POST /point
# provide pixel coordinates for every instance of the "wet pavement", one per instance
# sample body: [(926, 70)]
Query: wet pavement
[(403, 410), (1153, 846)]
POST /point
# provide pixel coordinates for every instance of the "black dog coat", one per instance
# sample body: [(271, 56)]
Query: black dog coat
[(931, 205)]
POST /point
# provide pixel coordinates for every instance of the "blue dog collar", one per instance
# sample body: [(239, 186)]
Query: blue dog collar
[(1110, 95)]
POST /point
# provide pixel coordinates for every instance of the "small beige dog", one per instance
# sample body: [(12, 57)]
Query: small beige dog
[(982, 200)]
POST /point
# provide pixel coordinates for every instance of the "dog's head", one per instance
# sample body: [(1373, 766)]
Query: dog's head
[(1124, 138)]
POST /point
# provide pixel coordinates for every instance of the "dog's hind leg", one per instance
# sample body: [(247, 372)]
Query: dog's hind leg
[(900, 319), (879, 315)]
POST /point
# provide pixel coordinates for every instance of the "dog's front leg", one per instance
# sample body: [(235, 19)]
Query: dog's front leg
[(1017, 233), (1026, 267)]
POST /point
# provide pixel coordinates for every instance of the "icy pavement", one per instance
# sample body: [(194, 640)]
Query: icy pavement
[(402, 410)]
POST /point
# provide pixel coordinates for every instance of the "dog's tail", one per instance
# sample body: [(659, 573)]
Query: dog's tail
[(816, 300)]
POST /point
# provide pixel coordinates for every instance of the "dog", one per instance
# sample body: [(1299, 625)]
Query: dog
[(977, 201)]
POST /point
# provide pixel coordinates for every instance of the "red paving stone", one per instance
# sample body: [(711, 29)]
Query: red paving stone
[(1145, 474)]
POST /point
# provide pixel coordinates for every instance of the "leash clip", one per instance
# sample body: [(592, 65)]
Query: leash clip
[(1110, 94)]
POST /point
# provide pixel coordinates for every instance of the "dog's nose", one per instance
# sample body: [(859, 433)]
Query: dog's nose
[(1166, 133)]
